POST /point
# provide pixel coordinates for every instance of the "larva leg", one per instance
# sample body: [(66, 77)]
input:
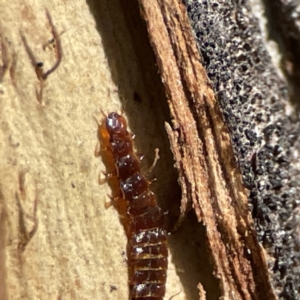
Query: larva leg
[(113, 202), (103, 113), (153, 180), (175, 295), (108, 204), (156, 158), (101, 180), (106, 178), (98, 150)]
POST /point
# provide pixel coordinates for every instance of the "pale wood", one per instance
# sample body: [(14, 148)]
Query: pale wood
[(76, 251)]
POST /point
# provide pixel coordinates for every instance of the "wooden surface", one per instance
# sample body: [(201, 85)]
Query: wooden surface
[(47, 152), (200, 141)]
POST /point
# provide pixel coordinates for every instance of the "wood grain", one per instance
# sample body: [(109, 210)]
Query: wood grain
[(200, 141), (77, 249)]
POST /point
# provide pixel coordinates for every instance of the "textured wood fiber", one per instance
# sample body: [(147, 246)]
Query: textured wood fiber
[(200, 141), (76, 252)]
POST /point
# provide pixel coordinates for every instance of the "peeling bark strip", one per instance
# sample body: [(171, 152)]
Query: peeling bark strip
[(200, 141)]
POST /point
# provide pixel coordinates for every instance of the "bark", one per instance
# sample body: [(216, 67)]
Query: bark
[(47, 148), (200, 141)]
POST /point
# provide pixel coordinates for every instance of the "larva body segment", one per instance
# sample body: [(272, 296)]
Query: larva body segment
[(142, 218)]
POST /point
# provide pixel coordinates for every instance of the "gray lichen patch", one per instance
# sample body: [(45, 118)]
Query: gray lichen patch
[(253, 100)]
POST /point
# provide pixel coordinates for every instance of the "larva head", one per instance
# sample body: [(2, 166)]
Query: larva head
[(116, 124)]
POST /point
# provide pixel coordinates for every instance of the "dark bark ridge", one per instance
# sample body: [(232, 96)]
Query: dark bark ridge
[(253, 101)]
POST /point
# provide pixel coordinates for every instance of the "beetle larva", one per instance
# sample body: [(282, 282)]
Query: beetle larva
[(142, 218)]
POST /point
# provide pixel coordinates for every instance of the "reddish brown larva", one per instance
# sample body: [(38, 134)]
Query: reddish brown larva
[(142, 219)]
